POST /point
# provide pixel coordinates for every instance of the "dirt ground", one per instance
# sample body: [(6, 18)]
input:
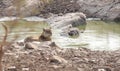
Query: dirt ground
[(46, 56)]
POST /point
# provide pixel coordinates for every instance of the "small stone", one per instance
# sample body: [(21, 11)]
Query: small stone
[(55, 66), (12, 68), (25, 69), (92, 61), (30, 46), (80, 69), (118, 61), (15, 45), (59, 60), (20, 43), (52, 44), (102, 69)]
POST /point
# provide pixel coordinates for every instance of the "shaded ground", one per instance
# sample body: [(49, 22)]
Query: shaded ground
[(46, 56)]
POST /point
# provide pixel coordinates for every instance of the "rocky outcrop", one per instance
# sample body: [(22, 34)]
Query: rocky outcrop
[(104, 9), (62, 6), (22, 8)]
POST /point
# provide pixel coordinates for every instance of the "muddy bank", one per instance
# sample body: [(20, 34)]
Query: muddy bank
[(104, 9), (46, 56)]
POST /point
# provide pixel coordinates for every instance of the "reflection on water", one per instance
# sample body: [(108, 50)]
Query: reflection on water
[(22, 29), (98, 35)]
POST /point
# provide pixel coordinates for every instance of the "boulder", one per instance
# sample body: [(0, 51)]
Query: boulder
[(30, 8), (74, 19), (12, 11), (22, 8), (114, 13), (73, 32), (70, 32), (104, 9)]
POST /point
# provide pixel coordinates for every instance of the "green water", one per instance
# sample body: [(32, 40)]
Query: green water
[(20, 29), (98, 35)]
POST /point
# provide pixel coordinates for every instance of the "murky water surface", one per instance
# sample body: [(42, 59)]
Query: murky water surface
[(98, 35), (20, 29)]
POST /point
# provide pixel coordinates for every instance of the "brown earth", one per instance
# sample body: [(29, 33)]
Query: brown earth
[(46, 56)]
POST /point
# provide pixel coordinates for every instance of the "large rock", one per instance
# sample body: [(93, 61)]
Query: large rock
[(69, 24), (74, 19), (71, 32), (104, 9), (31, 8), (92, 8), (21, 7)]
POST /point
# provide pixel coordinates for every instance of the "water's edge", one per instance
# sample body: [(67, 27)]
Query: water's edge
[(98, 35)]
